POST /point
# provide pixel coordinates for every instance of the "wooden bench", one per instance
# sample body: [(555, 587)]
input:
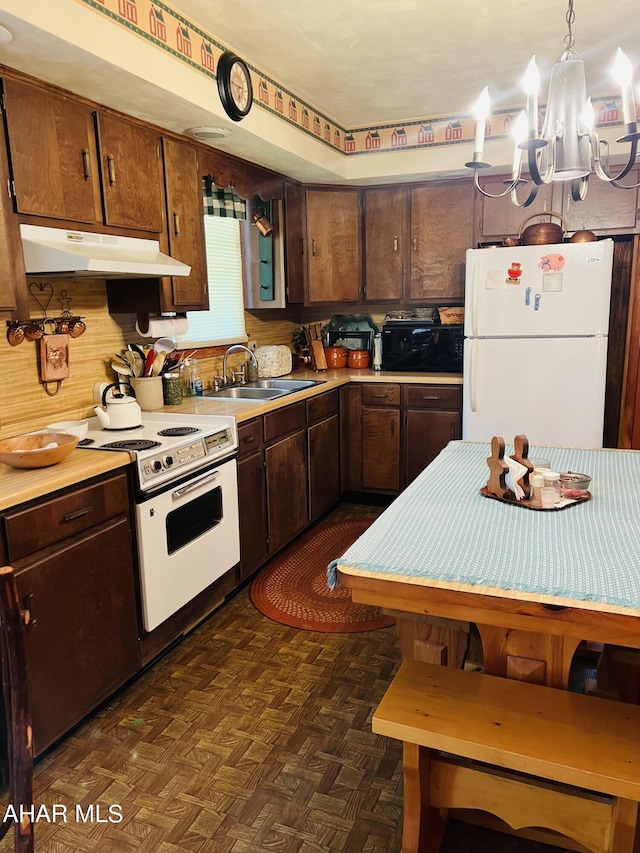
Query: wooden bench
[(534, 756)]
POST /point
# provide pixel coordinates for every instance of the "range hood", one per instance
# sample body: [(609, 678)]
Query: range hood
[(58, 253)]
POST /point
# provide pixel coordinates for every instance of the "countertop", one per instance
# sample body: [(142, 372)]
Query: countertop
[(18, 485), (329, 378)]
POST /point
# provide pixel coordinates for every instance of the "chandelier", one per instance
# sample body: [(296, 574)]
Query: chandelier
[(567, 148)]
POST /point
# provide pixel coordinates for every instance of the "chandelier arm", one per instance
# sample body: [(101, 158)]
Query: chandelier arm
[(579, 188), (602, 168), (535, 147), (510, 186), (533, 192)]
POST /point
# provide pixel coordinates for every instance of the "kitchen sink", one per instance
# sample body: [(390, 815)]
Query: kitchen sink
[(243, 393), (287, 385), (263, 389)]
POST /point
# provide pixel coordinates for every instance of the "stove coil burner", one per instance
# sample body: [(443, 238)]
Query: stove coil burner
[(131, 444), (177, 431)]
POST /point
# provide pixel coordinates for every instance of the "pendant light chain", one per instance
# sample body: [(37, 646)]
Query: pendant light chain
[(570, 19)]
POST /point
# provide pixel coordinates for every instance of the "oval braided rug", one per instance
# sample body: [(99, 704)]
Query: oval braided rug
[(292, 589)]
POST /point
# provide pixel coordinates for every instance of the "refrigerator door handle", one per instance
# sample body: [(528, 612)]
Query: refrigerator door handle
[(474, 300), (473, 391)]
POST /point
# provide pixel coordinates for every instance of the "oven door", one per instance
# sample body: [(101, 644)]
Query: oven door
[(188, 537)]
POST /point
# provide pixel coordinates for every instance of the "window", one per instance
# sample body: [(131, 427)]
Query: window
[(223, 323)]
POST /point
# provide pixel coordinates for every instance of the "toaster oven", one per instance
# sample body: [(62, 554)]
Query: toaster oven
[(413, 345)]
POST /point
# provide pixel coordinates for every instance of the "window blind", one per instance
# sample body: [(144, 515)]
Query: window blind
[(224, 322)]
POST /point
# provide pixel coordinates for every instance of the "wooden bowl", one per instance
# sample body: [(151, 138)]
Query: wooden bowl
[(31, 451)]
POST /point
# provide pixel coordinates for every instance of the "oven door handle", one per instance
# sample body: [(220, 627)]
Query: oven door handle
[(194, 484)]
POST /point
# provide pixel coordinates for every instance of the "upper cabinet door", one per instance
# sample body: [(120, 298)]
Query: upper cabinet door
[(386, 241), (499, 217), (53, 154), (333, 250), (606, 209), (441, 232), (132, 174), (185, 224)]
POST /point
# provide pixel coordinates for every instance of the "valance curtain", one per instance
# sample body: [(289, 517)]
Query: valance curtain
[(218, 202)]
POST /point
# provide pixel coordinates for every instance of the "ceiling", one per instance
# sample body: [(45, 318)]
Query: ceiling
[(380, 61), (360, 64)]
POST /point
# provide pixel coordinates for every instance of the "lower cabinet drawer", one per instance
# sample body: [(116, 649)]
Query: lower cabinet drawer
[(35, 527), (433, 396), (249, 437), (378, 394)]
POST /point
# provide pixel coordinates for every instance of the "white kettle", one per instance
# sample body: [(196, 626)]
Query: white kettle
[(120, 412)]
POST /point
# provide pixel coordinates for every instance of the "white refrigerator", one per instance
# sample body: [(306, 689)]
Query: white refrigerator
[(535, 349)]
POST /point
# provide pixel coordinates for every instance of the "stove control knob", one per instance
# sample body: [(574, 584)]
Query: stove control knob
[(157, 465), (168, 461)]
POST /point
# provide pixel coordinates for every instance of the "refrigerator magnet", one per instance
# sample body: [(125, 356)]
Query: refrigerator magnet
[(496, 281), (552, 281)]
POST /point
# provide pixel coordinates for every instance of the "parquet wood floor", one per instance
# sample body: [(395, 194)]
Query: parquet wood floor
[(248, 737)]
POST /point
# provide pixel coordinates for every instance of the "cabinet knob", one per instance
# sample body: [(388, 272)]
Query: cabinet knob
[(395, 244), (313, 247), (176, 223), (414, 244)]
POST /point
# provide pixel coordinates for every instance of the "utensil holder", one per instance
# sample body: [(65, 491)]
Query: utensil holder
[(148, 392)]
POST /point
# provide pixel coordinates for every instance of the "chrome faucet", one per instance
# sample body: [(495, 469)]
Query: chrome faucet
[(236, 348)]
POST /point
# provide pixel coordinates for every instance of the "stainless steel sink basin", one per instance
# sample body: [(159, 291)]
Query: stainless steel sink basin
[(263, 389), (244, 393), (288, 385)]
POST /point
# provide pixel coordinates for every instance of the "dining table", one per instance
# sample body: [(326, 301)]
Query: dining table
[(534, 583)]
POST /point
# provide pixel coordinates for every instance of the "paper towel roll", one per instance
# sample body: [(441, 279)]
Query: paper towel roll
[(163, 327)]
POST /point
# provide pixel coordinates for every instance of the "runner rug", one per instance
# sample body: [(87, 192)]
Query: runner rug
[(292, 589)]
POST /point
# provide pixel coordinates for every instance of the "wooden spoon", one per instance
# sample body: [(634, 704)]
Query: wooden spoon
[(158, 363)]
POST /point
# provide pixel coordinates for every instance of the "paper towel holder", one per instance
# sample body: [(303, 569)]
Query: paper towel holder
[(143, 321)]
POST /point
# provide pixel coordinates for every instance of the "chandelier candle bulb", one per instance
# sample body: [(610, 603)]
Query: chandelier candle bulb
[(531, 87), (483, 106), (519, 136), (623, 73)]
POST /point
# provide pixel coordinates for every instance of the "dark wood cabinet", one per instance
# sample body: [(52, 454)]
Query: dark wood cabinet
[(381, 438), (185, 227), (132, 174), (323, 450), (441, 233), (605, 210), (432, 418), (13, 283), (286, 467), (76, 576), (497, 218), (391, 432), (333, 246), (415, 243), (54, 162), (386, 243), (295, 242), (252, 506)]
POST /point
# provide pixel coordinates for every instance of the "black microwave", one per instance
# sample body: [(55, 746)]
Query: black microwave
[(413, 345)]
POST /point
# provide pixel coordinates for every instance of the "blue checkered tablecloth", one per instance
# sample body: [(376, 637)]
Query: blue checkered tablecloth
[(442, 529)]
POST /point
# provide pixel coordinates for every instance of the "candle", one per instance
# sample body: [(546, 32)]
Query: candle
[(623, 73), (531, 86), (481, 111), (519, 135), (589, 116)]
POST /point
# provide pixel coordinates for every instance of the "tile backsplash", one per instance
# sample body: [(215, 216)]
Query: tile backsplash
[(24, 403)]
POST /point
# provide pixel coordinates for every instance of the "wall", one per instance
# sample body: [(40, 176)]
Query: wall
[(25, 405)]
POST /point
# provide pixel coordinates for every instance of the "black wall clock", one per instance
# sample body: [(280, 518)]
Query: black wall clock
[(234, 86)]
